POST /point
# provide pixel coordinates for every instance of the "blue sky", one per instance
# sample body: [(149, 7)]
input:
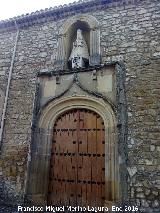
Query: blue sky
[(11, 8)]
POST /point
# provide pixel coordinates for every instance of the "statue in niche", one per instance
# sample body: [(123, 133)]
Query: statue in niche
[(79, 55)]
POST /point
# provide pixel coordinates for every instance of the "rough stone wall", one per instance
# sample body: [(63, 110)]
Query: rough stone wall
[(33, 53), (129, 33), (19, 110), (6, 49)]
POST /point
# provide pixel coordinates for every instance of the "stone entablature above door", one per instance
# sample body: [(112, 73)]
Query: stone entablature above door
[(100, 82)]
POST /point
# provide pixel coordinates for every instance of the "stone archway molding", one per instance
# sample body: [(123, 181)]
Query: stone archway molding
[(90, 20), (37, 187)]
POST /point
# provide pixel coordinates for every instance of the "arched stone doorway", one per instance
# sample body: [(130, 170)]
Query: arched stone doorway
[(77, 163), (39, 167)]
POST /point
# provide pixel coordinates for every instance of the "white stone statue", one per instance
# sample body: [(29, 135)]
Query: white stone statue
[(79, 54)]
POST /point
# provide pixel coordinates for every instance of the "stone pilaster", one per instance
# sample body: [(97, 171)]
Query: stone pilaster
[(94, 47)]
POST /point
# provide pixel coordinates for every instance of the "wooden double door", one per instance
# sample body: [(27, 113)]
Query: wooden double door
[(77, 164)]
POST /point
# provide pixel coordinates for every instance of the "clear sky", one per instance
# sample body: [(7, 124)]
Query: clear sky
[(11, 8)]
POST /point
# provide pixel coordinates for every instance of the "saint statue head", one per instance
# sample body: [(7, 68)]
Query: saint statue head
[(79, 35)]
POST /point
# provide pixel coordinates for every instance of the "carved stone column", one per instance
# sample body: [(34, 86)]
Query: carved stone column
[(60, 61), (94, 47)]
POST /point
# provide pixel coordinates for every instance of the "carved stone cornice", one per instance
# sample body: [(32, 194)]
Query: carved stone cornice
[(65, 72)]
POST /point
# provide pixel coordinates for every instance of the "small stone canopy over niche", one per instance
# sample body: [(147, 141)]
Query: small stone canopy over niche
[(90, 31)]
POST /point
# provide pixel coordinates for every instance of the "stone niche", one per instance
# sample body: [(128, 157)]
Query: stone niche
[(67, 36)]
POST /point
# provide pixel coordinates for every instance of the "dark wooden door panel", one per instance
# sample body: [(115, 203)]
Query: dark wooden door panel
[(77, 165)]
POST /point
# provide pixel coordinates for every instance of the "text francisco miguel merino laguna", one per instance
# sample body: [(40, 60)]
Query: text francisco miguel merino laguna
[(63, 208)]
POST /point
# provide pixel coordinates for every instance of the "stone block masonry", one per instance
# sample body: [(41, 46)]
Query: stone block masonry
[(128, 33)]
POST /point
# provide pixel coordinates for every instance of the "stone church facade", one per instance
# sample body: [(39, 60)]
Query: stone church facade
[(104, 94)]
